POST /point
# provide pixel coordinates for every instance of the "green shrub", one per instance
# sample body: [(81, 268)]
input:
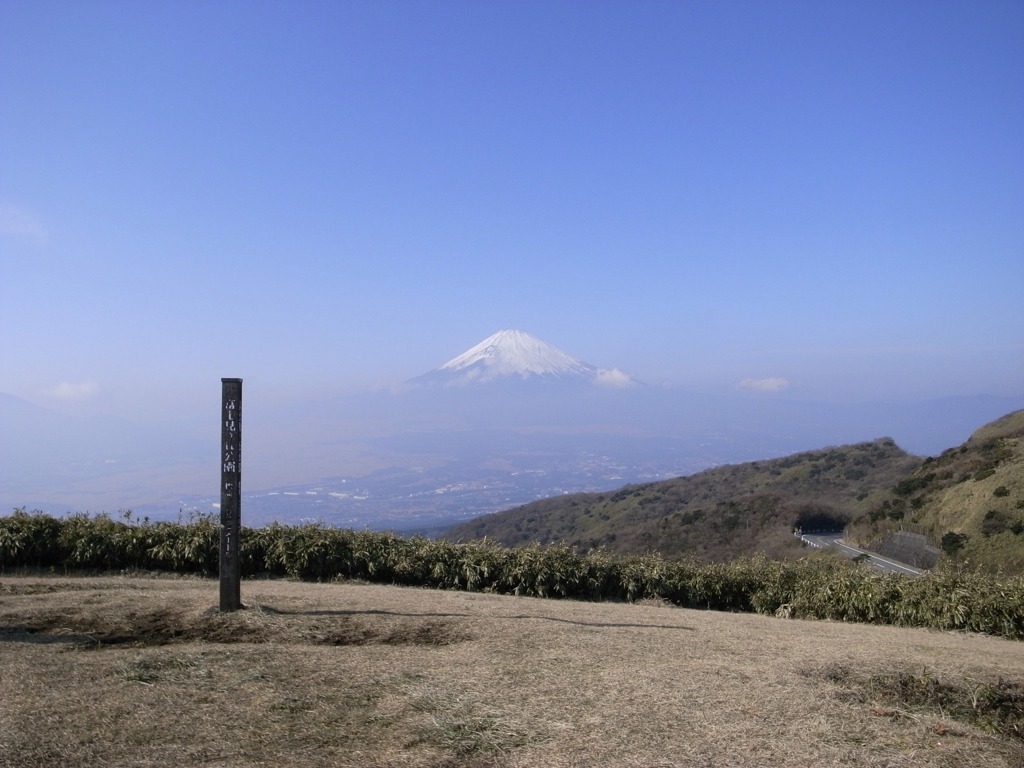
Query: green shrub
[(953, 542), (29, 539), (818, 588)]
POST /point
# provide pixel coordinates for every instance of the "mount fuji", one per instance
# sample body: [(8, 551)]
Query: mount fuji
[(513, 355)]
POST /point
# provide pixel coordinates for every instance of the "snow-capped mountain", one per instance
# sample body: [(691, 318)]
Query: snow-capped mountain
[(517, 355)]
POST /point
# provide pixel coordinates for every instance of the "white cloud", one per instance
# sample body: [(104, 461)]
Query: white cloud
[(769, 384), (19, 223), (613, 378), (67, 390)]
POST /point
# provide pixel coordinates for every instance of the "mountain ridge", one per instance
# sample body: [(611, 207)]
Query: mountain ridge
[(716, 514), (970, 499)]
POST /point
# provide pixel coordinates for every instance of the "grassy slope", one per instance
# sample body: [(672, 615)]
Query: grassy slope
[(127, 672), (975, 490), (717, 514)]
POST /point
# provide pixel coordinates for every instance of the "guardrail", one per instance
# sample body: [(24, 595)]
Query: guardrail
[(802, 535)]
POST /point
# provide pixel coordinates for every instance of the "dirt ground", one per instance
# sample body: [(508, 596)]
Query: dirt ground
[(144, 671)]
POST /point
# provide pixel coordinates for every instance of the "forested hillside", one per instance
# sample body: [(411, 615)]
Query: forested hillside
[(717, 514), (969, 501)]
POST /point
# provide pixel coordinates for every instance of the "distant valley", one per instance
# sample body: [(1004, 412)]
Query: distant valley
[(440, 479)]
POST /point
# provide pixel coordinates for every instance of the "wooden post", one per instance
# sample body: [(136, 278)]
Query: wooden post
[(230, 494)]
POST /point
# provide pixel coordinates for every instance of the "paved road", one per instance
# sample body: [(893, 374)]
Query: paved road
[(879, 563)]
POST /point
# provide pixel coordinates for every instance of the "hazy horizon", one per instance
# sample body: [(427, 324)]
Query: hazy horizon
[(397, 457)]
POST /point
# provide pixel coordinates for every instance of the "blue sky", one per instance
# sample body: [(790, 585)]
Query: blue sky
[(319, 197)]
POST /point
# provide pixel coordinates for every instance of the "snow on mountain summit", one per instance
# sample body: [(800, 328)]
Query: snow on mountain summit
[(513, 354), (516, 353)]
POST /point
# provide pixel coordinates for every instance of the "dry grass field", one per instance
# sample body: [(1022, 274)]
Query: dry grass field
[(136, 671)]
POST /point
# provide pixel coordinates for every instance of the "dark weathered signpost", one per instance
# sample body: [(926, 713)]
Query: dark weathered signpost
[(230, 494)]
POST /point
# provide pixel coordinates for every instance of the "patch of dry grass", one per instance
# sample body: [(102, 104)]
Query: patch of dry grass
[(143, 672)]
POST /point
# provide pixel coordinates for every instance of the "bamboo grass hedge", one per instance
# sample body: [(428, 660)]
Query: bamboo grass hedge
[(808, 588)]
